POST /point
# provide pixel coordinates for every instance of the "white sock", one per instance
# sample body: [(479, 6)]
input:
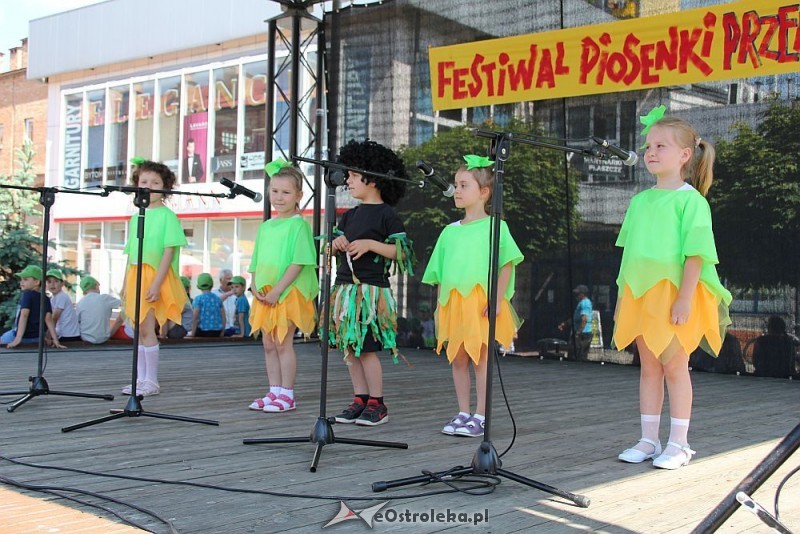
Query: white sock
[(650, 426), (151, 356), (679, 431), (275, 390), (479, 417), (464, 415), (141, 364), (289, 392)]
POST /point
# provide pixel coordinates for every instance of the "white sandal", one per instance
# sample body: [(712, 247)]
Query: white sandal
[(149, 388), (635, 456), (669, 461)]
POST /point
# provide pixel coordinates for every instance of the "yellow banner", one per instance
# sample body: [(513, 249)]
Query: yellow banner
[(736, 40)]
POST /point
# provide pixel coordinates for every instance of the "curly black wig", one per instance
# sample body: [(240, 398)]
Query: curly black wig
[(371, 156)]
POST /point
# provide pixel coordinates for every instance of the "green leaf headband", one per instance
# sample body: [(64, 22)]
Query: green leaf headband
[(474, 161), (274, 167), (655, 115), (138, 160)]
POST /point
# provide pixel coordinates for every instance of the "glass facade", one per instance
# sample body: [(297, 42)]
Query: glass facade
[(204, 124)]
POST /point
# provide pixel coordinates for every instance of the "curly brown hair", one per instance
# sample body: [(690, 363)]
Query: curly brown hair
[(167, 176)]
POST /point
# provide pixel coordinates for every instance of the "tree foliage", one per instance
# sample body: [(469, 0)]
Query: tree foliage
[(534, 193), (20, 242), (18, 245), (756, 201)]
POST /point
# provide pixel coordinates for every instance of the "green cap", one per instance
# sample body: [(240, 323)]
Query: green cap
[(31, 271), (186, 282), (55, 273), (88, 282), (204, 281), (238, 280)]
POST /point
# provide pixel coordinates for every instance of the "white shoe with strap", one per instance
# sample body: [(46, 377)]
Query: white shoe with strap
[(635, 456), (674, 461)]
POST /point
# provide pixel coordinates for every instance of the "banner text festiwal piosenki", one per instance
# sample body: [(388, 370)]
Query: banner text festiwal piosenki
[(736, 40)]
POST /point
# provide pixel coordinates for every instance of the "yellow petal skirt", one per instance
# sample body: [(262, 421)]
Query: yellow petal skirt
[(461, 322), (649, 316), (171, 300), (274, 320)]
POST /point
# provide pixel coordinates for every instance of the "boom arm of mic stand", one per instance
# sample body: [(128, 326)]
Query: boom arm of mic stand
[(339, 166), (593, 151), (140, 190)]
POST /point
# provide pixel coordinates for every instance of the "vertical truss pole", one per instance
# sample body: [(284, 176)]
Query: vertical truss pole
[(320, 125), (269, 128), (294, 83)]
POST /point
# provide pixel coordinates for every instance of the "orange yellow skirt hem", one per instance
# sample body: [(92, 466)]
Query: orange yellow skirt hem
[(274, 320), (461, 322), (171, 299), (649, 316)]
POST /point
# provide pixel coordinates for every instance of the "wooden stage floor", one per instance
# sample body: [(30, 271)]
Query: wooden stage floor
[(572, 420)]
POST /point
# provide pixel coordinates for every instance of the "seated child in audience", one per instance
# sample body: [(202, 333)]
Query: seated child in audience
[(26, 323), (242, 320), (209, 313), (64, 315), (94, 312)]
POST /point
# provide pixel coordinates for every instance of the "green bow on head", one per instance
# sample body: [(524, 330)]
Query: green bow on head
[(274, 167), (651, 118), (138, 160), (474, 161)]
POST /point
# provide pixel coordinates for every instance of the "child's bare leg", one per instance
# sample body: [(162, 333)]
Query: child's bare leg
[(461, 380)]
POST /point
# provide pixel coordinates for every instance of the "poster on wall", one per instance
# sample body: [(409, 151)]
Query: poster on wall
[(195, 138)]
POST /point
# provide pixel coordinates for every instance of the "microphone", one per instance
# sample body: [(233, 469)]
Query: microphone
[(237, 189), (430, 176), (628, 157)]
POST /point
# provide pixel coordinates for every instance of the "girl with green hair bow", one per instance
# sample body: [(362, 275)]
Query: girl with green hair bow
[(459, 265)]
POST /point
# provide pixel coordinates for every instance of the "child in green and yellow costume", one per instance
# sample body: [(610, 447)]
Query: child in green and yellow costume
[(162, 293), (284, 268), (459, 265), (670, 298)]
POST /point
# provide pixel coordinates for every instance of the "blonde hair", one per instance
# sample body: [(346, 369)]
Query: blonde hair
[(294, 174), (485, 178), (699, 169)]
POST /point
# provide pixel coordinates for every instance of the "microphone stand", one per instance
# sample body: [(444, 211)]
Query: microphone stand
[(322, 433), (782, 452), (39, 386), (133, 408), (486, 460)]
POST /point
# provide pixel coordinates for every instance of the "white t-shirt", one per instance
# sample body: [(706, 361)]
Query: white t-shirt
[(229, 304), (94, 314), (67, 325)]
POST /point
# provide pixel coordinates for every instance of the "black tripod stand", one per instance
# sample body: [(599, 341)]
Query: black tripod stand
[(134, 406), (486, 460), (39, 385), (754, 480), (322, 433)]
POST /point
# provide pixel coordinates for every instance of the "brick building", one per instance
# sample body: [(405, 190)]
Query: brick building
[(23, 113)]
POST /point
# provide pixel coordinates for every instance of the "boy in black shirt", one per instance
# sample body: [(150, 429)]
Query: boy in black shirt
[(26, 324), (369, 238)]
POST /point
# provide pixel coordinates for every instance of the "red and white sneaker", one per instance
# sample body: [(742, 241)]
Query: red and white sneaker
[(373, 415)]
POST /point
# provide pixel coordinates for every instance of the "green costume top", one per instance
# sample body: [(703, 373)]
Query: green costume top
[(460, 259), (279, 244), (162, 230), (661, 229)]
